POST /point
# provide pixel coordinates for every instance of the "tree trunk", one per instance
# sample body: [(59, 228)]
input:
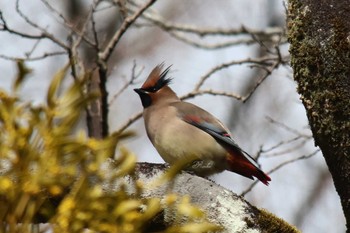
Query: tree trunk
[(319, 34)]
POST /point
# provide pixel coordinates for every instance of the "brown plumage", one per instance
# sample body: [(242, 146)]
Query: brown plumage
[(186, 132)]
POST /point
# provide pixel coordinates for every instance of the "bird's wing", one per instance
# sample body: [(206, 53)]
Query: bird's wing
[(203, 120)]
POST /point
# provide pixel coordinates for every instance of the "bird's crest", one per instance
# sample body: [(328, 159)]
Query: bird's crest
[(157, 79)]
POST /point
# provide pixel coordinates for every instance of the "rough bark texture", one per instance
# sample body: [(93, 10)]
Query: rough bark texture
[(222, 206), (319, 36)]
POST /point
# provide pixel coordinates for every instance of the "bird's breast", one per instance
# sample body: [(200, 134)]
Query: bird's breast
[(177, 140)]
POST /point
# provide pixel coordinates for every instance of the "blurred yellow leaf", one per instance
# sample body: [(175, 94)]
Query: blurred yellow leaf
[(5, 184), (127, 206), (54, 86), (51, 169), (187, 209), (22, 73)]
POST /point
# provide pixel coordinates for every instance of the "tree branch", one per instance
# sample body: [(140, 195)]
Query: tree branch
[(106, 53)]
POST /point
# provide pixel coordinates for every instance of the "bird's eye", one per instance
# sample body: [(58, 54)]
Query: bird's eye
[(151, 89)]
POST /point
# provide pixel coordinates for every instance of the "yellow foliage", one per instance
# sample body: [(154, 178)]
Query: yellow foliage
[(50, 171)]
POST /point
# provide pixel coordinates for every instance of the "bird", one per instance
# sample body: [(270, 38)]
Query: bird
[(182, 131)]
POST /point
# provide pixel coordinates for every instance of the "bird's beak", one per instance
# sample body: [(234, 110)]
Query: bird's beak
[(140, 91), (144, 96)]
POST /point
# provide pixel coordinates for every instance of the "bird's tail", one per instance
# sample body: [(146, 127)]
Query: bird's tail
[(239, 164)]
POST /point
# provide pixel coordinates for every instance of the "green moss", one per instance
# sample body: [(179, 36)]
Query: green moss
[(267, 222), (319, 64), (271, 223), (318, 33)]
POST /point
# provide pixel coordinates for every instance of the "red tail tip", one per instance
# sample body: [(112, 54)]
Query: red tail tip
[(265, 179)]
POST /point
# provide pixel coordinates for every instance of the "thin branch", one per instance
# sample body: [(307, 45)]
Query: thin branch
[(303, 157), (93, 24), (5, 27), (81, 33), (28, 54), (179, 32), (71, 27), (211, 92), (265, 61), (288, 150), (282, 143), (161, 22), (56, 12), (122, 8), (280, 60), (287, 128), (131, 120), (73, 51), (104, 55), (43, 56), (45, 34), (132, 80), (214, 46), (299, 136), (261, 80)]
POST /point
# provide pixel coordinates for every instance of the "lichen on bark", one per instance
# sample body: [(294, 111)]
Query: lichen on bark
[(319, 36)]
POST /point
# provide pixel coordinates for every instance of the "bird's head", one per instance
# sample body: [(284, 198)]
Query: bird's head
[(155, 89)]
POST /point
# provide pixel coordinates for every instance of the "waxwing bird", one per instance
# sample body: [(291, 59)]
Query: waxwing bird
[(181, 130)]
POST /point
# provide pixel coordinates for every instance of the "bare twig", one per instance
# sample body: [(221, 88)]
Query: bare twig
[(134, 76), (93, 24), (265, 61), (210, 92), (282, 143), (261, 80), (180, 32), (44, 33), (5, 27), (73, 50), (122, 8), (213, 46), (71, 27), (56, 12), (28, 54), (106, 53), (161, 22), (287, 128), (131, 120), (43, 56), (303, 157), (81, 33), (294, 147)]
